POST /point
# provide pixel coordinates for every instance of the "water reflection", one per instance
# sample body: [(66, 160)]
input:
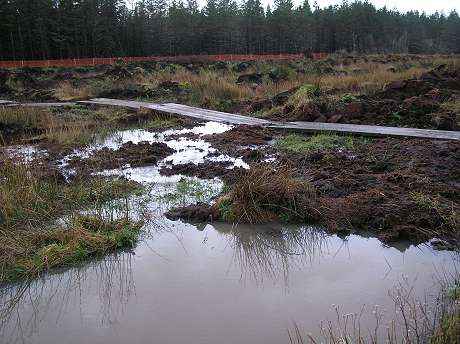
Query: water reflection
[(188, 283), (270, 251), (23, 306)]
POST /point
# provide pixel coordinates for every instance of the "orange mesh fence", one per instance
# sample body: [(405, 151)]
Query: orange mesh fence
[(180, 58)]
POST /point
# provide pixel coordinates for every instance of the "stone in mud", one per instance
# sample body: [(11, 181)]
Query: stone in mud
[(200, 212), (242, 67), (3, 78), (253, 78), (259, 105), (282, 98)]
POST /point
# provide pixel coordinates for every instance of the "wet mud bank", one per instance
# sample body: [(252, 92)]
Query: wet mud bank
[(395, 188)]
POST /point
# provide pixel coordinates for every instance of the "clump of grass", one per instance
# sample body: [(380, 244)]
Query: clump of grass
[(74, 127), (449, 330), (324, 141), (446, 212), (26, 118), (265, 194), (16, 122), (304, 95), (30, 254), (31, 202), (66, 91)]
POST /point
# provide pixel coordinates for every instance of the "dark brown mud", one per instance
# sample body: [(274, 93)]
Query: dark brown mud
[(206, 170), (395, 188), (136, 155), (416, 102)]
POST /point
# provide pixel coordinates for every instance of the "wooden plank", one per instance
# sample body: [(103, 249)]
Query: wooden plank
[(115, 102), (371, 130), (6, 102), (41, 105), (223, 117), (183, 110)]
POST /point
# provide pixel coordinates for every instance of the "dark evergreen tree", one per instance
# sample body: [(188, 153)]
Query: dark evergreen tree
[(43, 29)]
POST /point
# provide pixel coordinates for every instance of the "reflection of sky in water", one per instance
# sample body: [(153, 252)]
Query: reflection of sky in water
[(193, 151), (209, 284), (219, 284)]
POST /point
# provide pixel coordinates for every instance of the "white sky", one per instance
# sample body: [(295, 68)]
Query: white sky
[(428, 6)]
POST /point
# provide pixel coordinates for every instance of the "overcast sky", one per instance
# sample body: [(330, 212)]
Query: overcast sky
[(428, 6)]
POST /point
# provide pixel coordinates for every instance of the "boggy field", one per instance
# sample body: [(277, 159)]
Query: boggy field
[(80, 181)]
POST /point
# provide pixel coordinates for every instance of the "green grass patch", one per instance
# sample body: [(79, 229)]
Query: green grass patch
[(324, 141), (84, 238), (434, 203), (189, 191), (162, 123), (41, 221)]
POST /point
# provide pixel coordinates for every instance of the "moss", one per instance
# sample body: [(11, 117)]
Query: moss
[(300, 144)]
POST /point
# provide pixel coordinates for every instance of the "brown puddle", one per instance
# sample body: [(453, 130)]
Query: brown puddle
[(216, 284)]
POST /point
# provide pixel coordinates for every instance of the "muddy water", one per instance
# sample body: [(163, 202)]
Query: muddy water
[(212, 283), (216, 284)]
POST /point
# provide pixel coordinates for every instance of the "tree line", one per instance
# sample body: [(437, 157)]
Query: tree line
[(55, 29)]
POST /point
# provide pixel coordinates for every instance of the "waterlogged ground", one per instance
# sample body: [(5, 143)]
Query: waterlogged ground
[(211, 283)]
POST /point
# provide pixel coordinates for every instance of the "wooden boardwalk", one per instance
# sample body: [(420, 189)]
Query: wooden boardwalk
[(223, 117), (41, 105)]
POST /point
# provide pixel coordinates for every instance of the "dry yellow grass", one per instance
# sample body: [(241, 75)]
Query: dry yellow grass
[(65, 91)]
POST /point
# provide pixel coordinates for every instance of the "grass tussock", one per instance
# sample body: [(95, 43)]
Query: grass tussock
[(65, 91), (85, 237), (265, 194), (31, 237)]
